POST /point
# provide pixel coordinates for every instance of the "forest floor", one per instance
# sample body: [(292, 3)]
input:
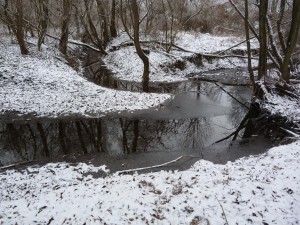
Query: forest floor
[(260, 189)]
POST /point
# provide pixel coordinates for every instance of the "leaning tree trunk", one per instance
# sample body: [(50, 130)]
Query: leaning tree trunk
[(136, 39), (63, 42), (291, 41), (263, 50)]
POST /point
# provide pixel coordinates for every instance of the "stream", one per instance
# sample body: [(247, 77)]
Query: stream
[(200, 114)]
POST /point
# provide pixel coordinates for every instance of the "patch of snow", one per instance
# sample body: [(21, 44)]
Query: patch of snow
[(42, 84), (254, 190), (207, 43)]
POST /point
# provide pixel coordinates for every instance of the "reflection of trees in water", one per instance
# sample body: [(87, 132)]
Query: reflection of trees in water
[(213, 92), (33, 141), (165, 135), (237, 110)]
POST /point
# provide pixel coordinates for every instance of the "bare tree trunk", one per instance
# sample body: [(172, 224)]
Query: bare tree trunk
[(136, 39), (250, 69), (104, 22), (8, 20), (20, 27), (263, 45), (43, 22), (15, 23), (273, 44), (113, 29), (279, 22), (77, 18), (291, 41), (63, 42)]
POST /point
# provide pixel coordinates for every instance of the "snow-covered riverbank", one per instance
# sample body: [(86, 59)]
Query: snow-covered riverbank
[(173, 66), (255, 190), (41, 84)]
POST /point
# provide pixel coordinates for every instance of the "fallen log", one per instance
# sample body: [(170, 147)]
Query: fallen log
[(205, 55)]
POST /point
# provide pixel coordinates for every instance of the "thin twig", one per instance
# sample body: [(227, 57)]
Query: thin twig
[(231, 95), (223, 211)]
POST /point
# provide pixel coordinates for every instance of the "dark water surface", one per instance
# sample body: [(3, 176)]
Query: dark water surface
[(200, 114)]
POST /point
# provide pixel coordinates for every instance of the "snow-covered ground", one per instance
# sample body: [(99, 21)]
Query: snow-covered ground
[(261, 189), (43, 85), (126, 64), (285, 106)]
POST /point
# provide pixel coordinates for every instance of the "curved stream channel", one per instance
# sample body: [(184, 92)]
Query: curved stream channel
[(200, 114)]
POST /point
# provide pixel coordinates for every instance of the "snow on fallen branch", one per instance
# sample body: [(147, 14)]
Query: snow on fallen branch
[(293, 134), (77, 43), (16, 165), (155, 166), (205, 55)]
